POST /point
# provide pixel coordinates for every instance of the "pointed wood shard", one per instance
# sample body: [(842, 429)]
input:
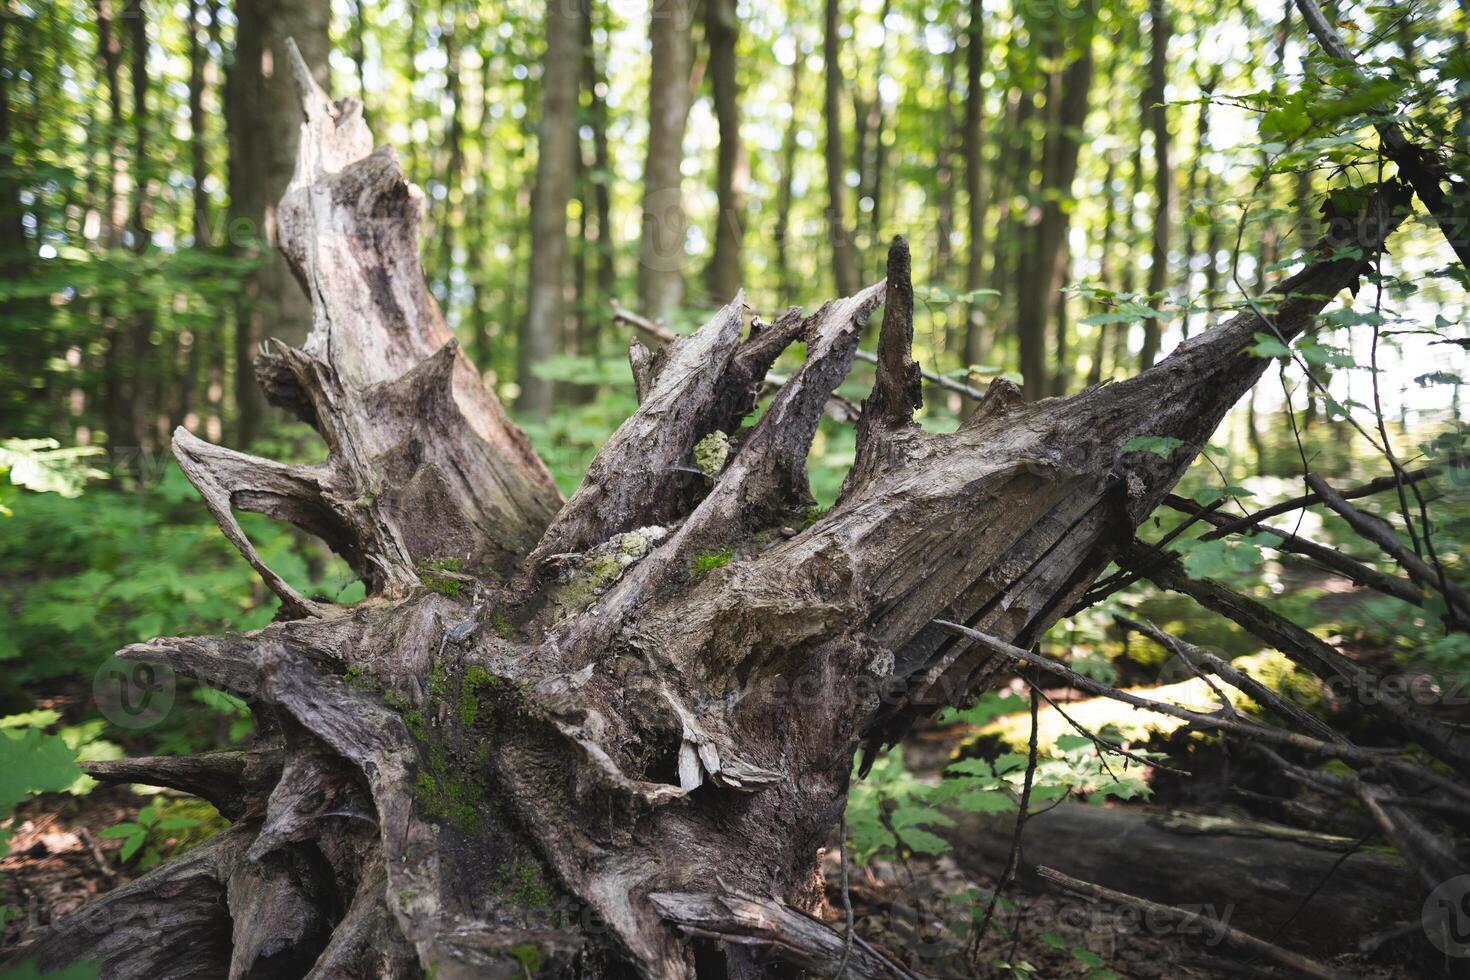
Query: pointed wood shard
[(897, 391)]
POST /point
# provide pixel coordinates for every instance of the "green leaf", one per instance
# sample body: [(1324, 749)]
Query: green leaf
[(130, 847), (122, 830), (176, 823), (1086, 956), (34, 762), (986, 801), (1162, 446), (1128, 311), (1268, 346), (1209, 495), (27, 970), (905, 817), (1071, 743), (1212, 559), (922, 841), (972, 766)]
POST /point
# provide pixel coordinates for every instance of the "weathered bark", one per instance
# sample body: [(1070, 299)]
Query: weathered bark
[(547, 734), (661, 257), (555, 162)]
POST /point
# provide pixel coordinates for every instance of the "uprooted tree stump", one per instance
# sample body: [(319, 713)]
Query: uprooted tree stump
[(560, 738)]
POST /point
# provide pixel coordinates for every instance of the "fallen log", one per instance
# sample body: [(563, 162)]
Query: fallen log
[(1251, 875)]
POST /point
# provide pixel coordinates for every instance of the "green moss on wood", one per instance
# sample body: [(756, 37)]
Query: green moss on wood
[(711, 560)]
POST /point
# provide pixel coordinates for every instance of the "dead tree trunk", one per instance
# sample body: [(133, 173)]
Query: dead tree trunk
[(548, 744)]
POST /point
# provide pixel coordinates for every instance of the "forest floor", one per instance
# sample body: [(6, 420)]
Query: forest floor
[(915, 910)]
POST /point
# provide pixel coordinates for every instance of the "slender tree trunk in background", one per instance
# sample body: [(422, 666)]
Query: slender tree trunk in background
[(1105, 253), (139, 395), (412, 46), (1213, 244), (216, 387), (1062, 379), (358, 29), (20, 359), (844, 256), (1462, 125), (873, 156), (12, 230), (198, 135), (944, 198), (661, 255), (977, 341), (722, 30), (454, 145), (1045, 254), (262, 116), (1268, 246), (1129, 281), (1009, 158), (117, 418), (594, 82), (784, 277), (1197, 179), (203, 336), (1158, 273), (556, 144)]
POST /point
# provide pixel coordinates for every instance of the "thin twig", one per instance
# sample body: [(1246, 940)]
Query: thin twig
[(846, 898), (1014, 860)]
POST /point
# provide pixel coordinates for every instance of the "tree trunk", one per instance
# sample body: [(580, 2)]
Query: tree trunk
[(555, 163), (844, 252), (1129, 279), (872, 157), (594, 82), (944, 198), (444, 230), (198, 137), (262, 116), (782, 230), (1105, 254), (1158, 270), (555, 731), (722, 30), (977, 345), (1253, 878), (1044, 258), (119, 423), (661, 256), (138, 394)]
